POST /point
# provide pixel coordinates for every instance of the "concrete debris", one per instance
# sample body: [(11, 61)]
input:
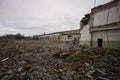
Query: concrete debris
[(102, 78), (101, 71), (63, 62), (5, 59), (9, 72), (20, 69)]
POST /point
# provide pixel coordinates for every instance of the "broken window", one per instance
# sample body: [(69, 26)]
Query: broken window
[(69, 36)]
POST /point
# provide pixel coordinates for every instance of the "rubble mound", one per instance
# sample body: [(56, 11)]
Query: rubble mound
[(89, 63), (29, 60)]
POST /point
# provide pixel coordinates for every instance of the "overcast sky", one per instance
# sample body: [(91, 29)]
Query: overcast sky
[(30, 17)]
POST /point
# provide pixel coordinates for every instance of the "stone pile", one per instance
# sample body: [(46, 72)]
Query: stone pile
[(53, 63), (92, 63)]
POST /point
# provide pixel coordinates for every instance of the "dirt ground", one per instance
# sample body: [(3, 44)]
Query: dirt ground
[(53, 60)]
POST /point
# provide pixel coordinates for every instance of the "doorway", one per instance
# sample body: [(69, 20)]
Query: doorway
[(100, 42)]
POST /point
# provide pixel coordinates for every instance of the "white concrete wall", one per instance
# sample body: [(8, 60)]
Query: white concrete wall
[(63, 37), (119, 9), (85, 35), (66, 38), (100, 18), (113, 35), (76, 36)]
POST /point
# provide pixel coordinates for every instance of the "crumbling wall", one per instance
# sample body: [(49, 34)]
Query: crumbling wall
[(84, 30), (85, 36), (72, 36)]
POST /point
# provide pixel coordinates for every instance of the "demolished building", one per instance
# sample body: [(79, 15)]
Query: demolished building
[(100, 28), (103, 28), (70, 35)]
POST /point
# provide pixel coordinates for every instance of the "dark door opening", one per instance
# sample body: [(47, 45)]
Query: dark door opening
[(100, 42)]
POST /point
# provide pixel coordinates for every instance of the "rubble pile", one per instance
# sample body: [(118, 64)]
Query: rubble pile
[(33, 61), (89, 63)]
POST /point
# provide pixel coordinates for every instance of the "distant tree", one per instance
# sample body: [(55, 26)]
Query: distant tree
[(11, 36), (19, 36)]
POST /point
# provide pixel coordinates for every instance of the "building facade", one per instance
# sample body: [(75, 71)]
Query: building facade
[(71, 35), (104, 26)]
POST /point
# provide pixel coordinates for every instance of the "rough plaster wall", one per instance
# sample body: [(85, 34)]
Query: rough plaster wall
[(119, 10), (113, 15), (113, 35), (62, 38), (85, 33), (99, 34), (100, 18), (76, 36), (66, 38)]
